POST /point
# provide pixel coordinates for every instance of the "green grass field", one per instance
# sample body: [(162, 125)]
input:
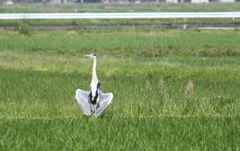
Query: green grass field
[(173, 101), (129, 42)]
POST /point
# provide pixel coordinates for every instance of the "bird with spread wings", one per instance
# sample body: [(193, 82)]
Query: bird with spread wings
[(93, 100)]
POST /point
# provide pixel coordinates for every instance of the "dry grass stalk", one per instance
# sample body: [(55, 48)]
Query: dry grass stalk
[(162, 89), (189, 89), (148, 85)]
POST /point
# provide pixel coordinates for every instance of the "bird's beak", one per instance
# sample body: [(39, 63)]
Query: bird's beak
[(88, 56)]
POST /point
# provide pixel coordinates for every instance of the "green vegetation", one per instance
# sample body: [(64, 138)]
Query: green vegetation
[(163, 133), (134, 43), (117, 22), (24, 28), (177, 103)]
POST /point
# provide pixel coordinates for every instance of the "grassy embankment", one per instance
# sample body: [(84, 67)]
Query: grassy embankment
[(184, 103), (95, 8)]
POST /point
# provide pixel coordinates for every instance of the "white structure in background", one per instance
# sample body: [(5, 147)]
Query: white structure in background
[(172, 1), (119, 15), (55, 1), (9, 2), (137, 2), (199, 1), (226, 1)]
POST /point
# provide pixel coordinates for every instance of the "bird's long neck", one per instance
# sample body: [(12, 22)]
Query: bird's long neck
[(94, 74)]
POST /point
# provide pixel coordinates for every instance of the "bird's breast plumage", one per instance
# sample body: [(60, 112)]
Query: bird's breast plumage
[(94, 93)]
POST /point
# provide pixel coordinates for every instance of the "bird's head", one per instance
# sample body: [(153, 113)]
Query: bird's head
[(93, 56)]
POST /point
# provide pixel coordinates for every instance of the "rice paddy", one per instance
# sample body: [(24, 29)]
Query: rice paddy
[(166, 100)]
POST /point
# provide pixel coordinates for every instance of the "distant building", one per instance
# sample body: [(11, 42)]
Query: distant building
[(226, 1), (9, 2), (199, 1), (172, 1), (55, 1)]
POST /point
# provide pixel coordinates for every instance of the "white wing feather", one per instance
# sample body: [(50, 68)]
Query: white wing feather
[(83, 101), (104, 100)]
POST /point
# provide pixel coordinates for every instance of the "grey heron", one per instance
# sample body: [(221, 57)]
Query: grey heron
[(93, 100)]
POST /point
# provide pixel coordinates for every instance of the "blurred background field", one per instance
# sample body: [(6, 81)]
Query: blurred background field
[(129, 42)]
